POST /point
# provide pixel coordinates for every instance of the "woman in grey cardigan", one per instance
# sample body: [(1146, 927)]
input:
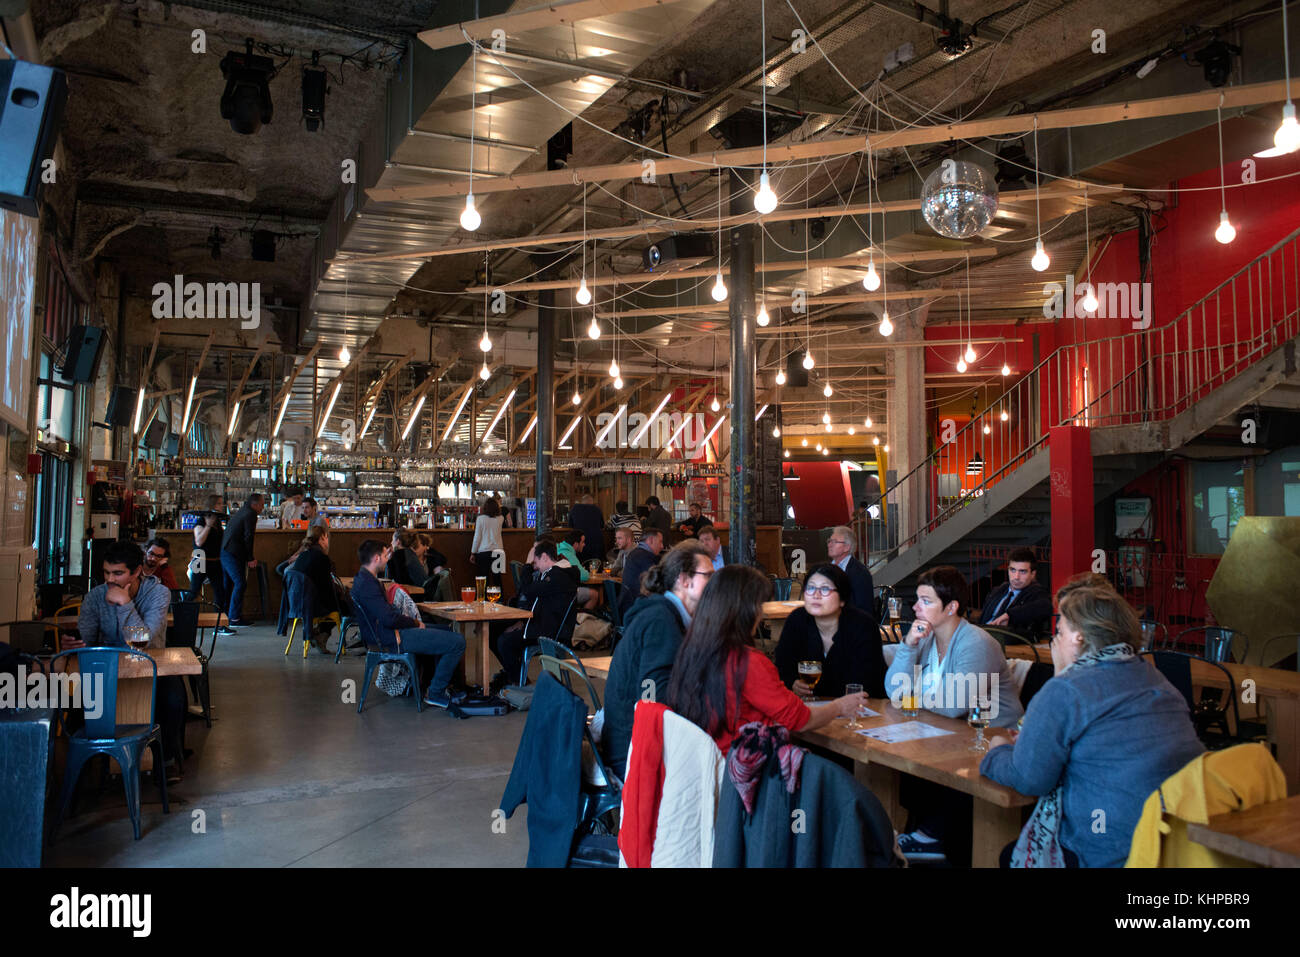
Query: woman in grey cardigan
[(1097, 740), (949, 661), (950, 664)]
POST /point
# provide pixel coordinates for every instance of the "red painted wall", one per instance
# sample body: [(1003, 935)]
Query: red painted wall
[(822, 496)]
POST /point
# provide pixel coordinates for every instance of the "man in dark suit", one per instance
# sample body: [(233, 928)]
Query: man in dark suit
[(639, 561), (547, 595), (1021, 604), (237, 554), (839, 548)]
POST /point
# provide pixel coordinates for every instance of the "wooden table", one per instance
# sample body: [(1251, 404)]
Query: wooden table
[(945, 760), (598, 667), (599, 578), (475, 617), (775, 613), (1268, 834), (415, 591), (207, 619)]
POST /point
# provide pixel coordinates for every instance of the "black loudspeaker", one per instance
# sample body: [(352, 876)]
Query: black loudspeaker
[(121, 406), (31, 113), (796, 376), (155, 434), (83, 349)]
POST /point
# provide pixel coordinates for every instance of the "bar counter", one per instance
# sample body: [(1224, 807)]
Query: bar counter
[(272, 546)]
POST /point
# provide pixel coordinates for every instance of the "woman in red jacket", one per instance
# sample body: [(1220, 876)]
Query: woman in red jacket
[(721, 681)]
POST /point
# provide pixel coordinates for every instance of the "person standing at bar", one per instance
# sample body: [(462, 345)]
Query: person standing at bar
[(657, 516), (237, 554), (208, 535), (291, 509), (487, 542), (691, 527)]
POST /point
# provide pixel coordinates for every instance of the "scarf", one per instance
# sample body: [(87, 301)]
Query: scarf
[(755, 744), (1039, 843)]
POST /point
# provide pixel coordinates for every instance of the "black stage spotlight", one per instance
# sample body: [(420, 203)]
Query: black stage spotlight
[(1216, 60), (314, 89), (263, 246), (559, 148), (246, 102)]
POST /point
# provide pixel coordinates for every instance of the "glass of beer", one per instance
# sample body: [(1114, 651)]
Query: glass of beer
[(910, 702), (853, 721), (894, 606), (494, 593), (480, 587), (979, 720), (467, 594), (810, 672)]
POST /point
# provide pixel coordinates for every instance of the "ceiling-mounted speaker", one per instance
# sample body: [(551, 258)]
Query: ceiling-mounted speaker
[(263, 246), (31, 113), (82, 353), (559, 148), (121, 406)]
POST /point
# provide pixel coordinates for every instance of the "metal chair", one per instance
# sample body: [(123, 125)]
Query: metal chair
[(377, 655), (69, 608), (1155, 636), (349, 617), (563, 635), (1287, 662), (1005, 636), (1211, 711), (883, 594), (298, 616), (1213, 642), (103, 735), (517, 575), (29, 637), (781, 588), (597, 800)]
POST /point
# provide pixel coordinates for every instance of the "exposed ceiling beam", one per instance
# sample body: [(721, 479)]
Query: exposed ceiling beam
[(557, 14)]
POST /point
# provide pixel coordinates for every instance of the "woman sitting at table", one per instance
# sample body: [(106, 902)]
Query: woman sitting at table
[(949, 664), (830, 630), (313, 561), (437, 576), (720, 681), (1100, 736)]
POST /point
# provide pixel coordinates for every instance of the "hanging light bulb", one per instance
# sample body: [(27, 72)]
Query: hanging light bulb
[(762, 318), (618, 382), (764, 199), (1225, 233), (776, 431), (1039, 260), (1006, 369), (987, 428), (485, 344), (871, 281), (1090, 302), (344, 354), (485, 373), (828, 427), (828, 391), (577, 398), (1004, 415), (819, 447), (970, 353), (886, 447), (867, 423), (1287, 137), (886, 327), (961, 365), (826, 418), (470, 220), (826, 451), (808, 360), (875, 440), (583, 295), (613, 369), (714, 405), (787, 453), (804, 443), (593, 330), (780, 377), (852, 430), (719, 290)]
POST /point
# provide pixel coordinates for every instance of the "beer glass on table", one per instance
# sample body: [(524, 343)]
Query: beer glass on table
[(894, 615), (480, 587), (810, 672), (853, 721), (467, 594), (494, 594)]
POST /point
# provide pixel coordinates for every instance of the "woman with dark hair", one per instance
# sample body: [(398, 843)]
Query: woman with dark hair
[(487, 541), (312, 559), (831, 630), (720, 681)]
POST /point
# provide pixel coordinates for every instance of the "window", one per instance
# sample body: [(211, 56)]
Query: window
[(54, 410), (1277, 483), (1218, 503)]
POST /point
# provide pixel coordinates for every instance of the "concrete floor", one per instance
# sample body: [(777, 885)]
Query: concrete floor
[(289, 775)]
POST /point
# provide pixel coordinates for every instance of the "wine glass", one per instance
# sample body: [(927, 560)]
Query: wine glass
[(979, 720), (137, 636), (494, 593), (853, 721)]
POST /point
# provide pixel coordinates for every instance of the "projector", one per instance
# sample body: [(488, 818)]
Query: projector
[(678, 252)]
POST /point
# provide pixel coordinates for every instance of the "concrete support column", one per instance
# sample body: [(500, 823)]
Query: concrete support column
[(545, 408), (905, 418), (744, 374)]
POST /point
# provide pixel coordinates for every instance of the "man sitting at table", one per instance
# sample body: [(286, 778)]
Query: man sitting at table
[(713, 545), (547, 595), (623, 518), (156, 554), (638, 562), (130, 600), (652, 633), (1021, 604), (383, 623), (624, 542), (691, 527)]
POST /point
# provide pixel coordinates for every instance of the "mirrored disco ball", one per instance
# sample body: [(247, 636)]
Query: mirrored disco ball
[(959, 199)]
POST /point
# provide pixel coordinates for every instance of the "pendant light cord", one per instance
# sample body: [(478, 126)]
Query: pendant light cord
[(1218, 111), (473, 90), (1038, 207), (1286, 56)]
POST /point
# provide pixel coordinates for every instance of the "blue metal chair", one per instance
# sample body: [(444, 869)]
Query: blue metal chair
[(205, 647), (1211, 711), (563, 634), (1213, 642), (349, 619), (613, 592), (597, 799), (781, 588), (101, 734), (376, 655), (1279, 645)]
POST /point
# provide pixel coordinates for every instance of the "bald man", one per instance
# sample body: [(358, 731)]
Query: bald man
[(839, 548)]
